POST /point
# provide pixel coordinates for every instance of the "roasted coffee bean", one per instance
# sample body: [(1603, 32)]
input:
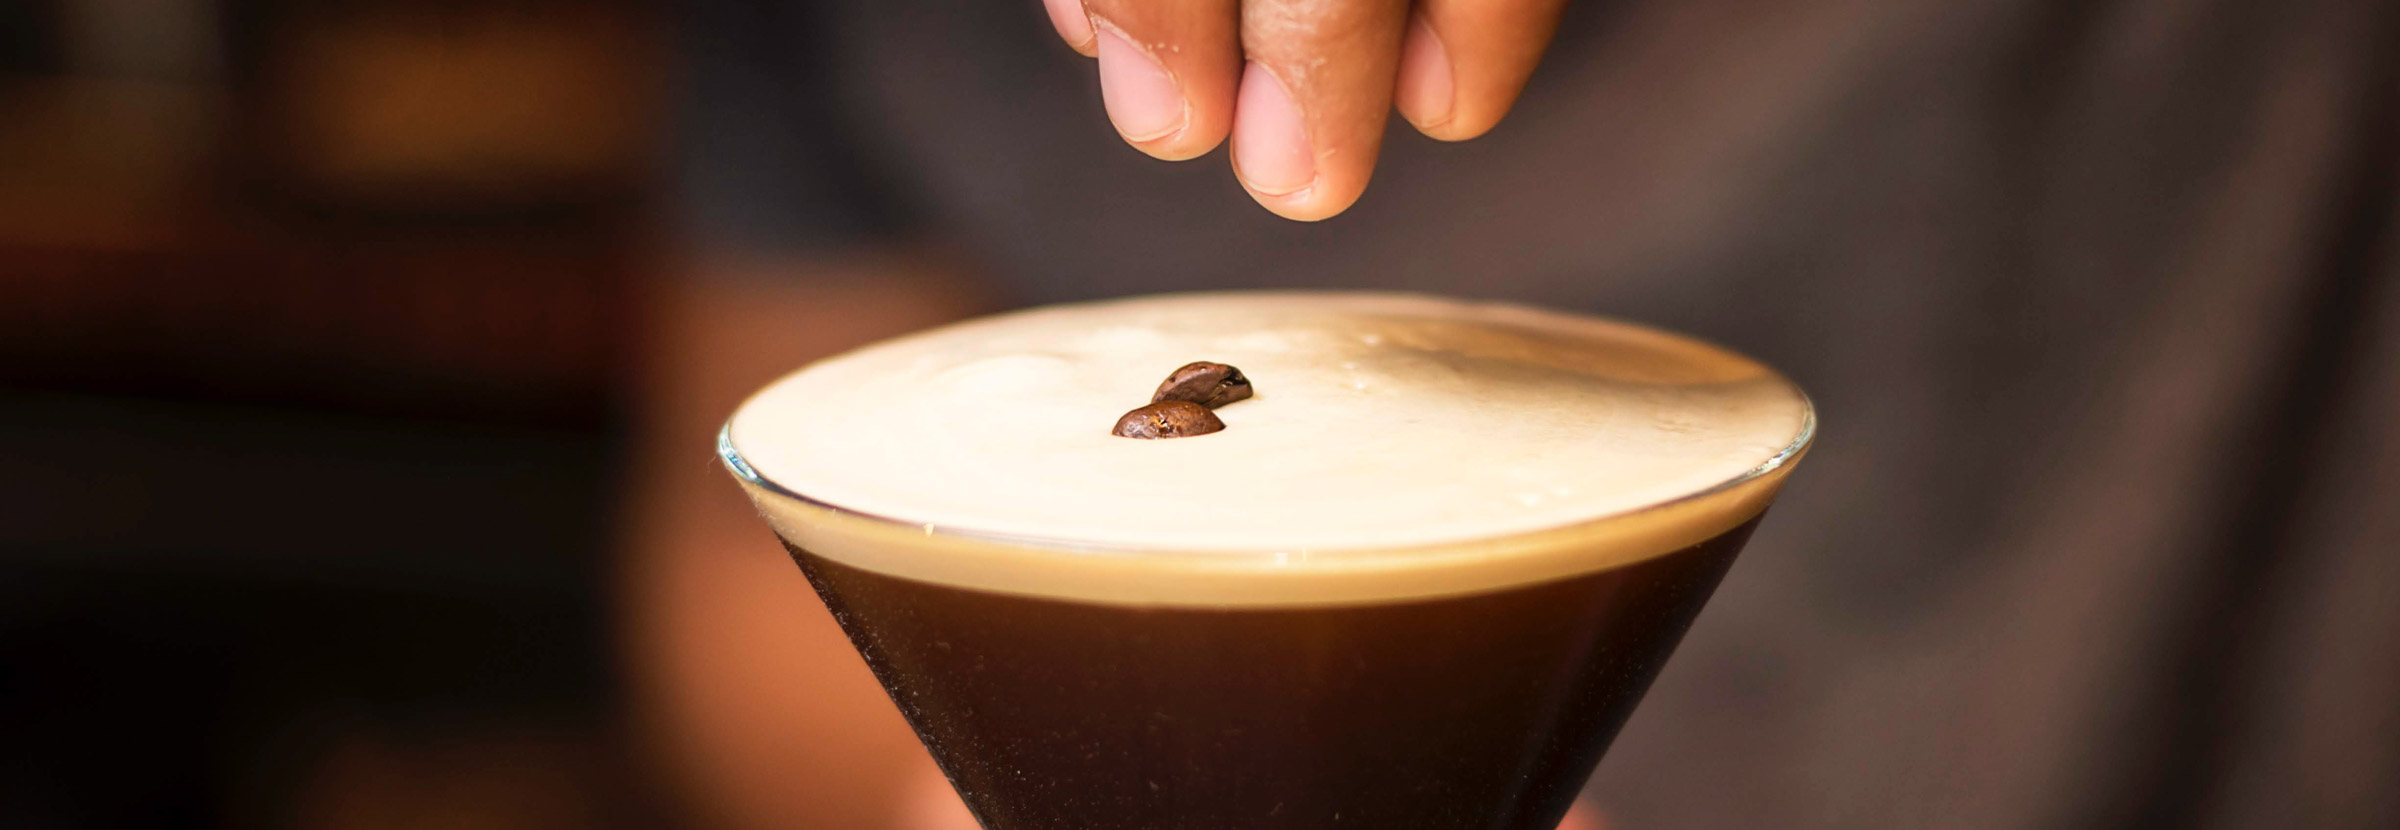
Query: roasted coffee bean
[(1169, 419), (1208, 384)]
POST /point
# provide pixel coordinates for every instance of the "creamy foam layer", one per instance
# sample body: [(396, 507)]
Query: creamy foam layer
[(1397, 445)]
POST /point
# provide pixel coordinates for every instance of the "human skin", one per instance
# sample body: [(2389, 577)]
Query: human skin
[(1302, 87)]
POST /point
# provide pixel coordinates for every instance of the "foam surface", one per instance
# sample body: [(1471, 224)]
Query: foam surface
[(1381, 423)]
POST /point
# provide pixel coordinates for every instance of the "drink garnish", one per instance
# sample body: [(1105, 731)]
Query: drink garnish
[(1208, 384), (1169, 419), (1180, 407)]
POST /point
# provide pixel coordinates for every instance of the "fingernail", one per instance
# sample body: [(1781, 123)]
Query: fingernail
[(1427, 92), (1142, 99), (1072, 24), (1270, 140)]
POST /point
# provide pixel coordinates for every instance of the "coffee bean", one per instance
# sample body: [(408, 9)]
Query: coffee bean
[(1169, 419), (1208, 384)]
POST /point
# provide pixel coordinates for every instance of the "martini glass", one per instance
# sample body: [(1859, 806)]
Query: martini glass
[(1064, 684)]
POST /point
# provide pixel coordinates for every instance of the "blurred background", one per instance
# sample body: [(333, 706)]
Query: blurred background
[(359, 362), (312, 354)]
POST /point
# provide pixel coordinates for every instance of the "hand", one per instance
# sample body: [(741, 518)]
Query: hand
[(1303, 86)]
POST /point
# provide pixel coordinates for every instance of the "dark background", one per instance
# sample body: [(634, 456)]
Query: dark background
[(311, 348)]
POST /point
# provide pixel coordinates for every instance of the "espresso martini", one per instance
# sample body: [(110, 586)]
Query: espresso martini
[(1415, 575)]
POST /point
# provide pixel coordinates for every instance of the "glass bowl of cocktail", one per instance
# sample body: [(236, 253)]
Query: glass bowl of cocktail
[(1415, 573)]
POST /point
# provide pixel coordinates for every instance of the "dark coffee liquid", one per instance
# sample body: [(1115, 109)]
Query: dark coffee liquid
[(1480, 711)]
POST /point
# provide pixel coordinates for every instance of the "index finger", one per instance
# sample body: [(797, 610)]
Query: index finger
[(1308, 123)]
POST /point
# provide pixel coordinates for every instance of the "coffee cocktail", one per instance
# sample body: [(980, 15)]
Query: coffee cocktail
[(1416, 579)]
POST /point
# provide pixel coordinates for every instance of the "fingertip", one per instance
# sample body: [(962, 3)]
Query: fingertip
[(1277, 160), (1464, 123), (1272, 152), (1141, 97), (1073, 25), (1427, 91), (1177, 147), (1162, 96), (1465, 62), (1453, 131), (1309, 205)]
